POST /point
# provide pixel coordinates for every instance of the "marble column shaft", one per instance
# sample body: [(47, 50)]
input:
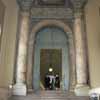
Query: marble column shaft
[(22, 47), (81, 66)]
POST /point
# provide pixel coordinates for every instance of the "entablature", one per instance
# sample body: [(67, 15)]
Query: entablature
[(55, 13)]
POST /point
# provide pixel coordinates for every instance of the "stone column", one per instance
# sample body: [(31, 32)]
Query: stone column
[(82, 87), (72, 63), (81, 63), (21, 64)]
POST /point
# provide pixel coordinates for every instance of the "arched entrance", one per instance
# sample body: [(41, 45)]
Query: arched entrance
[(25, 53), (52, 46), (67, 63)]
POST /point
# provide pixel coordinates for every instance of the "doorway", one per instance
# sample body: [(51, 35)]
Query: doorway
[(51, 41), (50, 69)]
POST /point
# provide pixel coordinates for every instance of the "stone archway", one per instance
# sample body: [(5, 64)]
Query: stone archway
[(31, 47), (77, 55)]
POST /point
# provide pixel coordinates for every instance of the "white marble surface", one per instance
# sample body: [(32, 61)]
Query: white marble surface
[(19, 89), (94, 91)]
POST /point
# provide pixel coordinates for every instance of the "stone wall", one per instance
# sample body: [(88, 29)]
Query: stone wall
[(8, 43), (93, 39)]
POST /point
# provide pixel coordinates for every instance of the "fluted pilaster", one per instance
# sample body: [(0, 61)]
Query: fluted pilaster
[(81, 63), (23, 29)]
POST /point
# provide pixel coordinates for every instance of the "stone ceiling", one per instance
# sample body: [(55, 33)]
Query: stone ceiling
[(52, 3)]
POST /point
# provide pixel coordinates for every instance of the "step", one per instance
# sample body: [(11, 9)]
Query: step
[(49, 95), (52, 98)]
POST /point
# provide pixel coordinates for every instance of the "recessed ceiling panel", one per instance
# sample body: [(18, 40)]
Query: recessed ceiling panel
[(52, 2)]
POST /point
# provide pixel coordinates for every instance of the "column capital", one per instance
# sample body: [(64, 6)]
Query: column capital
[(78, 7), (78, 4), (78, 13), (25, 4)]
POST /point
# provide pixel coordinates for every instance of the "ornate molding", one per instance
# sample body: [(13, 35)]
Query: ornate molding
[(55, 13), (25, 4), (78, 7)]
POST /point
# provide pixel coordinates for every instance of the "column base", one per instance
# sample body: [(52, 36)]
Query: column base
[(82, 90), (20, 89), (94, 91)]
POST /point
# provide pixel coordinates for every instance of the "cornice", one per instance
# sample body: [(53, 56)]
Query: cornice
[(57, 13)]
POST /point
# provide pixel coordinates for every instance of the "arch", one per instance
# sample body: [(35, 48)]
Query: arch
[(31, 44), (56, 23)]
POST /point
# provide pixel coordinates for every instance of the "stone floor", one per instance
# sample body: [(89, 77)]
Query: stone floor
[(5, 93), (49, 95)]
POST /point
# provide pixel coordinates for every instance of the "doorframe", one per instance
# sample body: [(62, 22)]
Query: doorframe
[(47, 71)]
